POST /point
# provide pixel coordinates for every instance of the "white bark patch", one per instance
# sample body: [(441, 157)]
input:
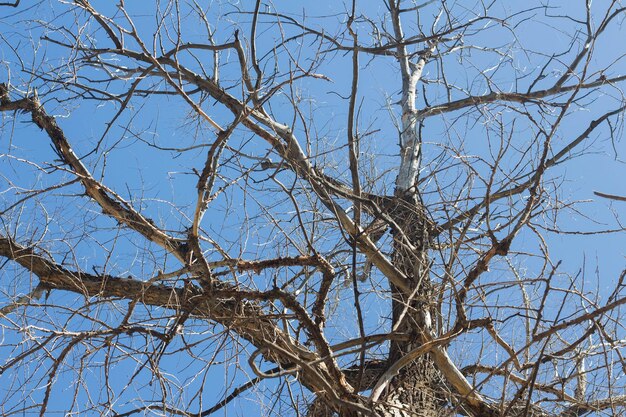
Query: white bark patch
[(409, 140)]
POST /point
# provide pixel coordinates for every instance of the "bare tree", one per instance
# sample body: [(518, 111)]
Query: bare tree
[(308, 209)]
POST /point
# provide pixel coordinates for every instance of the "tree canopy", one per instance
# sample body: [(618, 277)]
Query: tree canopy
[(375, 208)]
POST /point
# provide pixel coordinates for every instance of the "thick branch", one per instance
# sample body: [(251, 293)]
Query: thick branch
[(242, 316), (111, 204), (522, 98)]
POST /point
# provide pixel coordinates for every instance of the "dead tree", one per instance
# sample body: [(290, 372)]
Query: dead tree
[(342, 212)]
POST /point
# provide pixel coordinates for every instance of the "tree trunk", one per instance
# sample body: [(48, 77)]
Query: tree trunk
[(416, 391)]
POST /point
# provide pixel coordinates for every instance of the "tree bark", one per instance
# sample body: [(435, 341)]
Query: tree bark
[(416, 390)]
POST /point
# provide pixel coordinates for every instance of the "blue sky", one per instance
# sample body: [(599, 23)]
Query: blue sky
[(162, 183)]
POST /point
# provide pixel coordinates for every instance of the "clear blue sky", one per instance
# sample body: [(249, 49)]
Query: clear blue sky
[(165, 185)]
